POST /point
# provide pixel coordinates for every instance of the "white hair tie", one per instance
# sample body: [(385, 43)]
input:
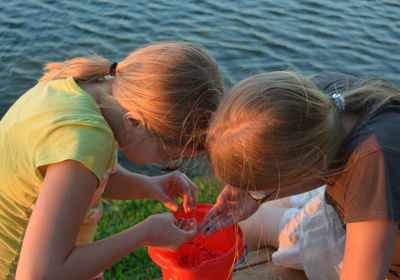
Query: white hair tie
[(339, 101)]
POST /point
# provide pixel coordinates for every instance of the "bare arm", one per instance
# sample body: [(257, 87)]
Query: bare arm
[(369, 249), (49, 251), (125, 185)]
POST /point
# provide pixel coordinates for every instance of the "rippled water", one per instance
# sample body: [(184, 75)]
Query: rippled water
[(246, 37)]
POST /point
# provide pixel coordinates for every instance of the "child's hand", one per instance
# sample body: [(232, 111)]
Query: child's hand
[(169, 234), (233, 205), (176, 184)]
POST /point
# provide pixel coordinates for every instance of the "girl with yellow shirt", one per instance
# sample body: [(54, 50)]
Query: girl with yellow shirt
[(59, 144)]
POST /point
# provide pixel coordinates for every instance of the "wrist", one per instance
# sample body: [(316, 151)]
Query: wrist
[(147, 186), (149, 231), (151, 186)]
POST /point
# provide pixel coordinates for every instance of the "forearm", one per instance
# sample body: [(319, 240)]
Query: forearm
[(95, 257), (87, 260), (124, 185)]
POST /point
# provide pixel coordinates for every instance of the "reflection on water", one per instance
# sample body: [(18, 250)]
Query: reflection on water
[(246, 37)]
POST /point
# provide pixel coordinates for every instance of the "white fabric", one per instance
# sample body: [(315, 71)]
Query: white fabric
[(312, 237)]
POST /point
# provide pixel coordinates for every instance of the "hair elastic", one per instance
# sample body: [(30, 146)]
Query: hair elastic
[(339, 101), (113, 67)]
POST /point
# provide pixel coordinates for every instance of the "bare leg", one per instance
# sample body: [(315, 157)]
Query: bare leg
[(262, 228)]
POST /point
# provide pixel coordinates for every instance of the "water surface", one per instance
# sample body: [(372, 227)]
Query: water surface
[(246, 37)]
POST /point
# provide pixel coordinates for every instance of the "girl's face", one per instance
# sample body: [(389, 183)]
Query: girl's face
[(146, 148), (142, 149), (141, 145), (136, 141)]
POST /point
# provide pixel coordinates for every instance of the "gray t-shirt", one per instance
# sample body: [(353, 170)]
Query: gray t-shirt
[(369, 187)]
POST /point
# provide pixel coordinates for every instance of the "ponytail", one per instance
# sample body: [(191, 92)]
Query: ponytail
[(376, 88), (176, 86), (91, 68)]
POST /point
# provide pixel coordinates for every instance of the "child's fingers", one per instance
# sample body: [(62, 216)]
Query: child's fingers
[(193, 195), (186, 224), (205, 228), (168, 202), (209, 219), (186, 198), (208, 230), (190, 195), (216, 225), (188, 190), (191, 223)]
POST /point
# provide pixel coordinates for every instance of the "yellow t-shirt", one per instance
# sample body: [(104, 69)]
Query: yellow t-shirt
[(52, 122)]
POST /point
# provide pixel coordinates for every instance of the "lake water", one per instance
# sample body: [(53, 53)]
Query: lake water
[(246, 37)]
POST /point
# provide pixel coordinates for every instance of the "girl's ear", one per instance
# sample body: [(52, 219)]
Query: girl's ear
[(134, 119)]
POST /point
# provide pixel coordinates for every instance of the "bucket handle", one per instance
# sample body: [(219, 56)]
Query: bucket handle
[(243, 256)]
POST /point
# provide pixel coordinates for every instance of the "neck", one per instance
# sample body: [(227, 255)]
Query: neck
[(348, 122)]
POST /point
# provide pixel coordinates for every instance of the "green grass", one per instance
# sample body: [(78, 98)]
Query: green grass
[(120, 215)]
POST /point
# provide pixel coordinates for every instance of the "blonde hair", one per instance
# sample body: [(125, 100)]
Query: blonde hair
[(174, 85), (277, 129)]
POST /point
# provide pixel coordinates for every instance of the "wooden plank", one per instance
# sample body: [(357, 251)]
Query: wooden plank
[(270, 272), (257, 265), (256, 257), (267, 271)]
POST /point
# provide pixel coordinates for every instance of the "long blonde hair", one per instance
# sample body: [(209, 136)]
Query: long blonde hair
[(174, 85), (276, 129)]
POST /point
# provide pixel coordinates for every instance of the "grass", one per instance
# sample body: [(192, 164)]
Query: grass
[(120, 215)]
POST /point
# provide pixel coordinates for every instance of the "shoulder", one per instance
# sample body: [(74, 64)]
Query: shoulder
[(369, 186), (378, 131), (68, 124)]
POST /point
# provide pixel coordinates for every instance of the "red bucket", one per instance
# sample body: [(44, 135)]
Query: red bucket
[(202, 258)]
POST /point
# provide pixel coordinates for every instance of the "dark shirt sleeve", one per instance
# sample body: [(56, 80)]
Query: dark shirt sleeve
[(371, 187)]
